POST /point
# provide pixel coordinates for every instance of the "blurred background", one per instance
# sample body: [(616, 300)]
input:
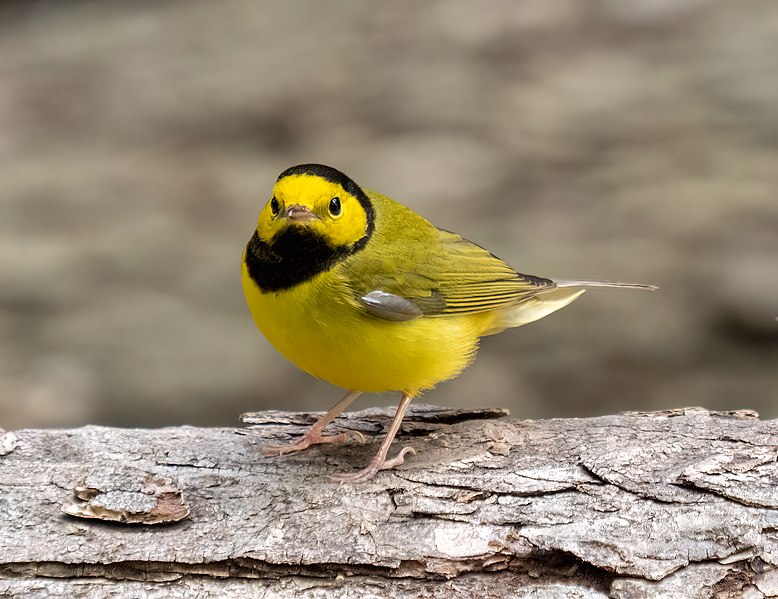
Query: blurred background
[(617, 139)]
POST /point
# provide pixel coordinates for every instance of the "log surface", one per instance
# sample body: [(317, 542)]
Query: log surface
[(663, 504)]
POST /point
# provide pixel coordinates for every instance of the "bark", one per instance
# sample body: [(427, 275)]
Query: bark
[(680, 503)]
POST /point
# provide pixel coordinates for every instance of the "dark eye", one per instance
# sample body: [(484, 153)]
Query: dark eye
[(274, 206), (335, 206)]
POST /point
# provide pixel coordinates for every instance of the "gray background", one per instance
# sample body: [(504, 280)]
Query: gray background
[(621, 139)]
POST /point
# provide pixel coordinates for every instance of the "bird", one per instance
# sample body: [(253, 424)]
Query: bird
[(360, 291)]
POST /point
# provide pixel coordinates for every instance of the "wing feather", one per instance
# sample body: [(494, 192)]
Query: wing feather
[(474, 280), (440, 272)]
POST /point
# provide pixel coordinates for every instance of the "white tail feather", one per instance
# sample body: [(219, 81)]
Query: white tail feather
[(534, 308), (551, 300), (606, 284)]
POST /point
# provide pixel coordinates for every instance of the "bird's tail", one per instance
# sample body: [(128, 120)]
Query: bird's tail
[(547, 301), (606, 284)]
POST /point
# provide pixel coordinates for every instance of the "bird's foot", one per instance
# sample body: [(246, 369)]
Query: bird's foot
[(311, 438), (376, 464)]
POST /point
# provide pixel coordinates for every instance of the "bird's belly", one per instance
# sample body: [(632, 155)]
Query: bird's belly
[(331, 338)]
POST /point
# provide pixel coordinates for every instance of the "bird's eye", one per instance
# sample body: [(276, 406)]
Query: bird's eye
[(335, 207), (274, 206)]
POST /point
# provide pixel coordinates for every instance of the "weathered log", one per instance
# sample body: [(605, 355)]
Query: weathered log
[(680, 503)]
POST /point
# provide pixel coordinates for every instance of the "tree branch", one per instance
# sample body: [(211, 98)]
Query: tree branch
[(631, 505)]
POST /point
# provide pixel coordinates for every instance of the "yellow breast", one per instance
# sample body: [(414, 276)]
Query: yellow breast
[(320, 328)]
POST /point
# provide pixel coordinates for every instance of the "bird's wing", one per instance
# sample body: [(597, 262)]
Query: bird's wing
[(474, 280), (440, 274)]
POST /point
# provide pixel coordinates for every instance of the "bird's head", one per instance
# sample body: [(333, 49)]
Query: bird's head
[(316, 202)]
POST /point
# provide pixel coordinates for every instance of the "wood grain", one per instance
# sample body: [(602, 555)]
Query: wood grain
[(660, 504)]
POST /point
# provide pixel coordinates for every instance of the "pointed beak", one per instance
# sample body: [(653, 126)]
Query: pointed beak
[(299, 214)]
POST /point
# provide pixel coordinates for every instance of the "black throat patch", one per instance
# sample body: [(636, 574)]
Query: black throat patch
[(293, 257)]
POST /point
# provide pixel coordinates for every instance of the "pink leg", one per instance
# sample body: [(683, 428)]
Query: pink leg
[(379, 461), (313, 435)]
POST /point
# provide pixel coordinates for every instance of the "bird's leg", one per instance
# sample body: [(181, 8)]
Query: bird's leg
[(379, 461), (313, 435)]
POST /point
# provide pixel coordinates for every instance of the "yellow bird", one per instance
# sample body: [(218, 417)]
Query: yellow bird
[(364, 293)]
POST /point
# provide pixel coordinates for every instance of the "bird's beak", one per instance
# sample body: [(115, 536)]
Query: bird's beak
[(299, 214)]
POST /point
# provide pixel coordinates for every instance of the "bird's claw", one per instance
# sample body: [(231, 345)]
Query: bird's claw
[(376, 465), (311, 439)]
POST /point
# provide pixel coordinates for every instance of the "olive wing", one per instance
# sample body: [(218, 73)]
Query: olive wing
[(437, 275)]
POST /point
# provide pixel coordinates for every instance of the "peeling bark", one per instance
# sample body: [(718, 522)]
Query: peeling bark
[(662, 504)]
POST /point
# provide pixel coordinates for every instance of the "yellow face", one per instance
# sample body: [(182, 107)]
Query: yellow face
[(312, 201)]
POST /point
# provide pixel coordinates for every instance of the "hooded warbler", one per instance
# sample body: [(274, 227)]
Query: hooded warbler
[(364, 293)]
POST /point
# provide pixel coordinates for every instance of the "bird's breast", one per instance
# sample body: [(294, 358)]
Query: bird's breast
[(319, 326)]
